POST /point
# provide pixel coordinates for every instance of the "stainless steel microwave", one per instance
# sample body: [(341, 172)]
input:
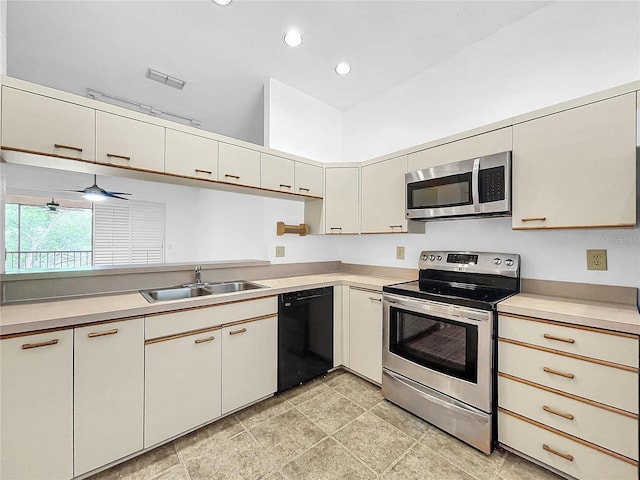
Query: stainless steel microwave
[(478, 186)]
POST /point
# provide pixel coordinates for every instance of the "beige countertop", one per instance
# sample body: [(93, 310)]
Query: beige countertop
[(608, 316), (71, 312)]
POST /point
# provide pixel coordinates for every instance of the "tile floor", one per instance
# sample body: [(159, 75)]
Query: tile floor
[(334, 427)]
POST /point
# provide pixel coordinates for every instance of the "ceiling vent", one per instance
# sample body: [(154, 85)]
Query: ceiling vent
[(165, 79)]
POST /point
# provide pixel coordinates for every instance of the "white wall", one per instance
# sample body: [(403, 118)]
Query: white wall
[(298, 123)]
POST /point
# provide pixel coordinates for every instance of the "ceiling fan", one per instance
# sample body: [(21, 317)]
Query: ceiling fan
[(95, 193), (52, 206)]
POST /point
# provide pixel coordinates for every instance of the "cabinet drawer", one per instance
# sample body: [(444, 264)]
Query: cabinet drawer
[(611, 386), (188, 320), (608, 429), (586, 462), (611, 347)]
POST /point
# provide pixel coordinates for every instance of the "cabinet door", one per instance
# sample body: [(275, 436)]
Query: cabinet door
[(383, 192), (479, 145), (249, 362), (36, 406), (182, 384), (276, 173), (577, 168), (126, 142), (239, 165), (365, 333), (308, 179), (45, 125), (341, 200), (108, 393), (190, 155)]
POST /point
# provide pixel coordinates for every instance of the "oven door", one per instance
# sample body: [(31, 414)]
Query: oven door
[(445, 347)]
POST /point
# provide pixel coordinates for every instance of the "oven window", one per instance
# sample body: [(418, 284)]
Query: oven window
[(443, 345), (448, 191)]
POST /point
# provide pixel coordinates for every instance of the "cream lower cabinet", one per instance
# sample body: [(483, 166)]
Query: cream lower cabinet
[(341, 199), (365, 333), (36, 406), (577, 168), (238, 165), (108, 393), (568, 396), (276, 173), (249, 362), (190, 155)]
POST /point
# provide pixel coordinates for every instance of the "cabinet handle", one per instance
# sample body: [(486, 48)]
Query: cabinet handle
[(232, 176), (27, 346), (335, 228), (395, 226), (122, 157), (204, 340), (559, 339), (236, 332), (375, 299), (533, 219), (282, 185), (208, 172), (568, 416), (566, 456), (555, 372), (302, 189), (68, 147), (102, 334)]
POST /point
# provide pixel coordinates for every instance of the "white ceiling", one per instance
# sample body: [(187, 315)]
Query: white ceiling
[(225, 54)]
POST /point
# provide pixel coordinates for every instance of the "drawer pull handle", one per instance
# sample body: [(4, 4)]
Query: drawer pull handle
[(102, 334), (335, 228), (559, 339), (27, 346), (204, 340), (568, 416), (302, 189), (68, 147), (374, 299), (122, 157), (208, 172), (232, 176), (236, 332), (282, 185), (566, 456), (533, 219), (395, 226), (556, 372)]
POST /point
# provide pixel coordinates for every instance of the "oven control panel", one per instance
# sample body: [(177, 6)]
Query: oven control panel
[(473, 262)]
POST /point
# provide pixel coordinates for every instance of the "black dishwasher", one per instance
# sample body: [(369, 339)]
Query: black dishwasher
[(305, 335)]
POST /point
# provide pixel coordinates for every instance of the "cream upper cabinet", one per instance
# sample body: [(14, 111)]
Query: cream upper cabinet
[(383, 192), (108, 393), (365, 333), (130, 143), (276, 173), (249, 362), (341, 198), (45, 125), (477, 146), (36, 406), (190, 155), (577, 168), (238, 165), (308, 179)]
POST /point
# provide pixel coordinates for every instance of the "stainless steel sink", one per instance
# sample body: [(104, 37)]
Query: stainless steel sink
[(197, 290)]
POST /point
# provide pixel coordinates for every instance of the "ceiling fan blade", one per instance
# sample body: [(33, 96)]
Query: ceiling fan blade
[(111, 195), (117, 193)]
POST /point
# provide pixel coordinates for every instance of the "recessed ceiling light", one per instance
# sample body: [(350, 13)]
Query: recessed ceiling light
[(222, 3), (343, 68), (293, 38)]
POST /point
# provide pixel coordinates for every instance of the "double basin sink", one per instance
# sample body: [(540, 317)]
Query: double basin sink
[(194, 290)]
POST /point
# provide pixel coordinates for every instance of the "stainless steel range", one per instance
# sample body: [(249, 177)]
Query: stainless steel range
[(439, 350)]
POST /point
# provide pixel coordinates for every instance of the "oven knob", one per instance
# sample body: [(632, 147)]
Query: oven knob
[(432, 257), (508, 262), (424, 258), (439, 257), (497, 261)]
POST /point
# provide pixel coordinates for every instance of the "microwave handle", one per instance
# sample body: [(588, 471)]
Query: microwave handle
[(475, 184)]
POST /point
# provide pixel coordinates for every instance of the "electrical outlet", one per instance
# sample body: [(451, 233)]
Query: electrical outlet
[(596, 259), (280, 251), (400, 253)]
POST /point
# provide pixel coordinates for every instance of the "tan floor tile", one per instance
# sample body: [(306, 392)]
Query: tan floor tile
[(361, 392), (285, 437), (330, 411), (481, 466), (237, 458), (178, 472), (208, 439), (517, 468), (327, 461), (143, 467), (266, 409), (401, 419), (374, 441), (422, 463), (275, 476), (337, 377), (304, 392)]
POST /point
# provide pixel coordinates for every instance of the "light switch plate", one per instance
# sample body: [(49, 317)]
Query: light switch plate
[(400, 253), (280, 251), (596, 259)]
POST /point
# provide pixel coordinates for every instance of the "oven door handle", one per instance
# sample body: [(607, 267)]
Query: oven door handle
[(475, 184), (463, 314)]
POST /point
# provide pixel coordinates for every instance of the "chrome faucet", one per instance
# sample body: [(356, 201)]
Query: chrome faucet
[(198, 272)]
